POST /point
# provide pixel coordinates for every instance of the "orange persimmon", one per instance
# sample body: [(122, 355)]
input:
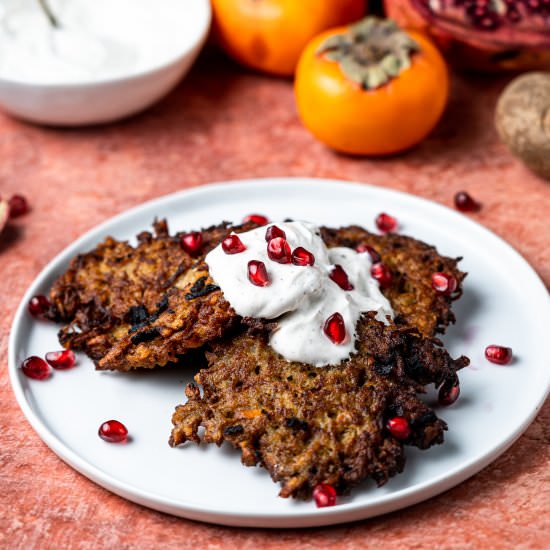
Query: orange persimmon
[(269, 35), (371, 88)]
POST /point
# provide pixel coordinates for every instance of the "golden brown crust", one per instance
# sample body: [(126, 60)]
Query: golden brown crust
[(310, 425)]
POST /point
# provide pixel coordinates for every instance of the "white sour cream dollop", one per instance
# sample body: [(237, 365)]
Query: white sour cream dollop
[(300, 298)]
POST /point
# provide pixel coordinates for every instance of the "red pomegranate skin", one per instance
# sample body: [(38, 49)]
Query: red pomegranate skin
[(508, 47)]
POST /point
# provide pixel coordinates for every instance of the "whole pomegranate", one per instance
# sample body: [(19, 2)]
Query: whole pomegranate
[(486, 35)]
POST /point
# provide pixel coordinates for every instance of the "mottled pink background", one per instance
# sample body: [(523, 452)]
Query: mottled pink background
[(225, 123)]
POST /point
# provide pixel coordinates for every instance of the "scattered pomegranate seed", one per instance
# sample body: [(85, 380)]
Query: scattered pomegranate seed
[(449, 392), (303, 257), (61, 360), (233, 245), (18, 206), (38, 305), (256, 218), (443, 283), (340, 277), (257, 273), (278, 250), (335, 328), (324, 495), (499, 354), (386, 223), (35, 367), (382, 274), (191, 243), (113, 431), (399, 427), (374, 256), (465, 203), (273, 232)]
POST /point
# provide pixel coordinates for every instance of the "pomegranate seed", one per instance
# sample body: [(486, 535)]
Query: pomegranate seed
[(499, 354), (38, 305), (113, 431), (340, 277), (374, 256), (399, 427), (257, 219), (61, 360), (335, 328), (278, 250), (382, 274), (449, 392), (35, 367), (465, 203), (386, 223), (274, 232), (18, 206), (301, 256), (324, 495), (233, 245), (257, 273), (191, 243), (444, 283)]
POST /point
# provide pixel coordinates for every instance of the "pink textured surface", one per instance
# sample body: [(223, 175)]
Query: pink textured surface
[(224, 123)]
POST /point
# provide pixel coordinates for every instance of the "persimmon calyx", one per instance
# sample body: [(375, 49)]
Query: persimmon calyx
[(372, 52)]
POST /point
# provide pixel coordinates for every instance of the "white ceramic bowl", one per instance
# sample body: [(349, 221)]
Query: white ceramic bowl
[(96, 101)]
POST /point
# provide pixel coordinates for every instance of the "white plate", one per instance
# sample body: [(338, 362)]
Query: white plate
[(504, 302)]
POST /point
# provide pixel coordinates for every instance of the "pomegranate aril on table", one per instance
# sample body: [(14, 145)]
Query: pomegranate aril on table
[(340, 277), (39, 305), (465, 203), (500, 355), (113, 431), (335, 328), (302, 257), (257, 273), (324, 495), (443, 283), (18, 206), (233, 245), (273, 232), (386, 223), (399, 427), (374, 256), (278, 250), (61, 360), (192, 243), (257, 219), (36, 368), (381, 272)]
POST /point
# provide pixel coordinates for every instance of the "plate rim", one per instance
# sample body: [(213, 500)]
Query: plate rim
[(342, 513)]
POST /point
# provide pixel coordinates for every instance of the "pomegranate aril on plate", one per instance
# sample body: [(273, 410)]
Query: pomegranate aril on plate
[(443, 283), (324, 495), (335, 328), (61, 360), (36, 368), (257, 273), (18, 206), (340, 277), (500, 355), (303, 257), (38, 305), (399, 427), (278, 250), (386, 223), (192, 243), (448, 392), (233, 245), (374, 256), (274, 232), (257, 219), (465, 203), (381, 272), (113, 431)]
